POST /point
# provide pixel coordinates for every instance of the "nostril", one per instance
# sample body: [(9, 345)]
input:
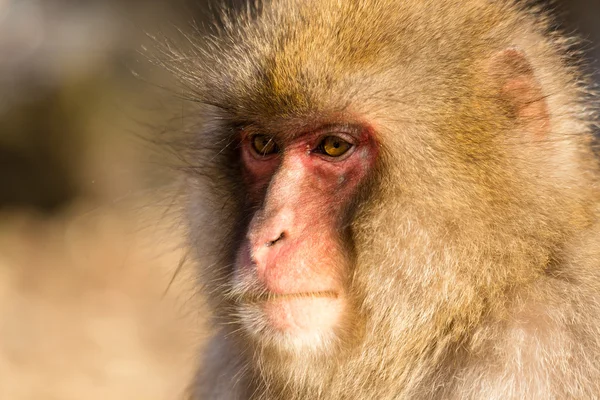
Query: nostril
[(272, 242)]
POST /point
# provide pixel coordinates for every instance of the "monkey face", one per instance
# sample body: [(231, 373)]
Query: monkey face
[(292, 265)]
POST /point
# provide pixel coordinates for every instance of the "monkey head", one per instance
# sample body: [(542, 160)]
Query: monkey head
[(373, 184)]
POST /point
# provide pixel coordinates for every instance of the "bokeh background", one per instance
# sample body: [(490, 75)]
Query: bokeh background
[(89, 235)]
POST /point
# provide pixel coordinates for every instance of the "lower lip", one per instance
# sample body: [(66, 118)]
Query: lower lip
[(295, 314)]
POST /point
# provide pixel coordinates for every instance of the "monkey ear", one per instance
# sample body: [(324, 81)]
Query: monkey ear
[(521, 92)]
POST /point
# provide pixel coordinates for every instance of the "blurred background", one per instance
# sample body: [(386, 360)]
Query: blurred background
[(89, 239)]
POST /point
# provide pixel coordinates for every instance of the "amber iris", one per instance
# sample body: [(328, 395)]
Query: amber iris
[(264, 145), (334, 146)]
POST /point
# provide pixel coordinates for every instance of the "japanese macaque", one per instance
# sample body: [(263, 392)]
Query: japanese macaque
[(393, 200)]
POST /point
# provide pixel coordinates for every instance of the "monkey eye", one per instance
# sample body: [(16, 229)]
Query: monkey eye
[(264, 145), (333, 146)]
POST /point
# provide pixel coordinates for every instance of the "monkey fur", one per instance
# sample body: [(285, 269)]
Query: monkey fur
[(474, 241)]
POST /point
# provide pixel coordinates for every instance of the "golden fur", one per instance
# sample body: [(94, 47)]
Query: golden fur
[(477, 268)]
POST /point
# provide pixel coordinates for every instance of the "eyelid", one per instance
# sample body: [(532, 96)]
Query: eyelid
[(342, 135)]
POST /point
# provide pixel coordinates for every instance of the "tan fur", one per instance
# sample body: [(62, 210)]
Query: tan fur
[(477, 271)]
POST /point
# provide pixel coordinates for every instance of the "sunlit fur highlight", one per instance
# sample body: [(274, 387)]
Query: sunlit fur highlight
[(477, 244)]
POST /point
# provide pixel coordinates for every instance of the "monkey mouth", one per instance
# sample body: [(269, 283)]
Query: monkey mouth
[(296, 314), (271, 296)]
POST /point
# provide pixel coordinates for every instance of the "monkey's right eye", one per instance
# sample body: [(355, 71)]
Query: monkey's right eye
[(264, 145)]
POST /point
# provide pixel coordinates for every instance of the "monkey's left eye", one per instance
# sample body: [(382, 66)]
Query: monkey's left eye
[(334, 146), (264, 145)]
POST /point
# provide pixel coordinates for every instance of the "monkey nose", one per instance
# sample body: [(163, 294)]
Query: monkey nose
[(264, 253), (267, 244), (270, 243), (277, 227)]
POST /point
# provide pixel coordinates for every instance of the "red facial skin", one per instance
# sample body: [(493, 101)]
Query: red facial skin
[(293, 248)]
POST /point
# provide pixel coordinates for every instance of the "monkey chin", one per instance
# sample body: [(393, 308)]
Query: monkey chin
[(294, 322)]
